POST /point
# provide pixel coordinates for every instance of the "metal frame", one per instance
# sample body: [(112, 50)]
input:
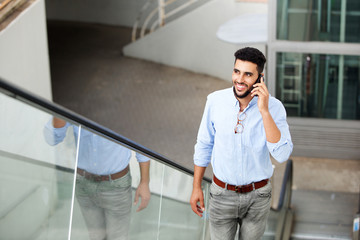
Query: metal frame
[(275, 46), (332, 48), (162, 16)]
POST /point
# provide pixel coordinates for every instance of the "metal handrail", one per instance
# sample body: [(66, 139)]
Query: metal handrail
[(286, 191), (30, 98), (160, 9), (284, 212)]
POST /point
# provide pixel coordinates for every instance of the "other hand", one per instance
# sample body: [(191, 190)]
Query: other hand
[(197, 196), (143, 191)]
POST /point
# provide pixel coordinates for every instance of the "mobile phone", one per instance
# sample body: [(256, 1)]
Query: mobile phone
[(258, 79)]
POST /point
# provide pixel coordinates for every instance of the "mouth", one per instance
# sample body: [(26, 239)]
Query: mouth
[(240, 87)]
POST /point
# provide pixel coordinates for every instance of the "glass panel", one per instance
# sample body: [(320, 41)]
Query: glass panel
[(320, 86), (318, 20), (145, 223), (105, 191), (36, 178), (100, 201), (38, 153), (176, 214)]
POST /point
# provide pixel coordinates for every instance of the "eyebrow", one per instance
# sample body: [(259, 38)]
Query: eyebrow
[(251, 73)]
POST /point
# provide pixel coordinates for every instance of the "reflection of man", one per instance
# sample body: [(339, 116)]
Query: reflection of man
[(103, 182), (240, 127)]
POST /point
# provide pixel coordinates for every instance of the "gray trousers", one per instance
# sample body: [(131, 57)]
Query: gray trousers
[(106, 207), (229, 210)]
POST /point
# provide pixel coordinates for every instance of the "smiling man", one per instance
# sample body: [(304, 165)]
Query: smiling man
[(240, 128)]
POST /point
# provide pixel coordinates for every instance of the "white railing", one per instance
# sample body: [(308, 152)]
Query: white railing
[(163, 9)]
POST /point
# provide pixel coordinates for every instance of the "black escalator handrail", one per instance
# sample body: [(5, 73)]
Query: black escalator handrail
[(285, 192), (21, 94)]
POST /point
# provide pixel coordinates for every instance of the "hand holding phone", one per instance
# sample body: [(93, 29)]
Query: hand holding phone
[(258, 80)]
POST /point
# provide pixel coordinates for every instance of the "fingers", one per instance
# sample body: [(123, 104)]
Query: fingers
[(197, 197), (143, 204), (142, 192), (136, 199), (202, 205), (197, 209), (260, 89)]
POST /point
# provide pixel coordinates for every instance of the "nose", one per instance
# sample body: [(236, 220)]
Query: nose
[(239, 78)]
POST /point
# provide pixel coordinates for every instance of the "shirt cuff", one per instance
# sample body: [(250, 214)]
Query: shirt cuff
[(53, 135), (275, 146), (141, 158), (200, 163)]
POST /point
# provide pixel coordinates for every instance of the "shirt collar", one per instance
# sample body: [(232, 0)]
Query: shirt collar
[(236, 102)]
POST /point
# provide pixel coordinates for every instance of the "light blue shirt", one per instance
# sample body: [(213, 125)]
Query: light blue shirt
[(241, 158), (97, 154)]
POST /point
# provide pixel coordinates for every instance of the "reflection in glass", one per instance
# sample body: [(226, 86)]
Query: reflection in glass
[(318, 20), (36, 183), (144, 224), (103, 181), (318, 85), (40, 155)]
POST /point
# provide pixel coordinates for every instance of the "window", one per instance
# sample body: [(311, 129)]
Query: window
[(319, 86), (318, 20)]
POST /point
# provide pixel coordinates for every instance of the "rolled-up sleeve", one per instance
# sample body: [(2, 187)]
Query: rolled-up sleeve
[(281, 150), (141, 158), (205, 138), (54, 136)]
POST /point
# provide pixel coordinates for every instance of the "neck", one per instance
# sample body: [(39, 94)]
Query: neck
[(244, 102)]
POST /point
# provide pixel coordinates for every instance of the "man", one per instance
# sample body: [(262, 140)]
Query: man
[(239, 128), (103, 181)]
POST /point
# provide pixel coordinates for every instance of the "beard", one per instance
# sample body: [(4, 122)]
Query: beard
[(245, 94)]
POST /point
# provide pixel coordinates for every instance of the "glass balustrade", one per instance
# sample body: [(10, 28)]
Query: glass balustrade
[(56, 173), (44, 196), (36, 178)]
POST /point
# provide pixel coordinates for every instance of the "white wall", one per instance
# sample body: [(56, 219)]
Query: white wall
[(24, 58), (112, 12), (191, 43)]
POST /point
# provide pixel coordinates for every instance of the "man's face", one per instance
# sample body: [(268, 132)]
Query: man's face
[(243, 77)]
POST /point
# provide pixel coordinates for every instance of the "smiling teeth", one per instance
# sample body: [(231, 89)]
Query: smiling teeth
[(240, 86)]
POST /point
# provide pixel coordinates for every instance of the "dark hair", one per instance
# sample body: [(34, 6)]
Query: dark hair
[(252, 55)]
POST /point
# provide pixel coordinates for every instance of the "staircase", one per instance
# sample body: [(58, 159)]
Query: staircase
[(155, 14)]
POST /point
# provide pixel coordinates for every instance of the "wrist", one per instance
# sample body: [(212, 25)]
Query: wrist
[(265, 112), (144, 181), (197, 187)]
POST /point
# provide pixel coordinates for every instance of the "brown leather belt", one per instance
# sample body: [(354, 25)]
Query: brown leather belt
[(241, 188), (100, 178)]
